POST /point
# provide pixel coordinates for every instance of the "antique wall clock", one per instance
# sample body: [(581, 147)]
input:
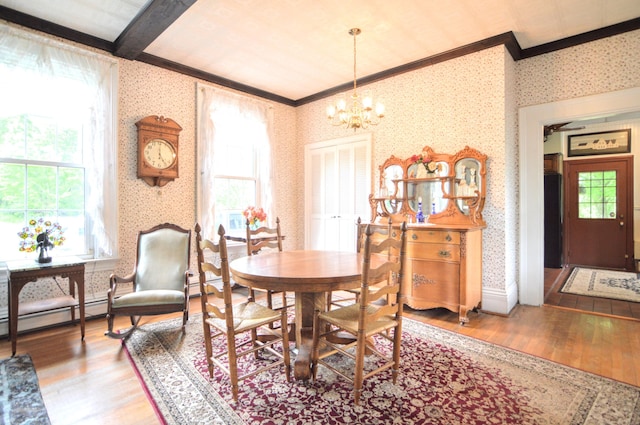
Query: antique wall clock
[(158, 150)]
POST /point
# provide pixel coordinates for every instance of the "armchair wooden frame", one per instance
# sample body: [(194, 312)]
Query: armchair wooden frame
[(160, 279), (372, 315), (231, 320)]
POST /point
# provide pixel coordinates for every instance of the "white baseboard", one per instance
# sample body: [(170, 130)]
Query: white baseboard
[(499, 301), (54, 317), (97, 308)]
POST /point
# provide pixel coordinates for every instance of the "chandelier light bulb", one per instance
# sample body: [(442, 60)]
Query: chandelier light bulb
[(367, 100), (342, 104), (331, 111)]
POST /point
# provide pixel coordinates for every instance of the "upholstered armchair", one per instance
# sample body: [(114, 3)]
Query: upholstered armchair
[(159, 281)]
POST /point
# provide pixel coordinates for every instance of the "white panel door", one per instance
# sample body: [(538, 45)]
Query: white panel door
[(338, 183)]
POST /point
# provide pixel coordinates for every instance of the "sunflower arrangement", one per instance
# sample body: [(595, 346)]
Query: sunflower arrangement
[(29, 234)]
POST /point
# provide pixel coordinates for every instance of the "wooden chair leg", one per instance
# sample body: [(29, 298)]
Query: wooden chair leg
[(270, 300), (397, 336), (316, 350), (123, 335), (233, 370), (359, 369), (208, 348), (285, 341), (109, 324), (254, 339)]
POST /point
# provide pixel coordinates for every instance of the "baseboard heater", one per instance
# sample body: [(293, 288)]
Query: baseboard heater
[(46, 319)]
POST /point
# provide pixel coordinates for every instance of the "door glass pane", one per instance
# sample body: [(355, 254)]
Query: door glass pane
[(597, 195)]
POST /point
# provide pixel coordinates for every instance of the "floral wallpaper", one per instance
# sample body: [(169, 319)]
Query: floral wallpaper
[(601, 66), (471, 100), (449, 106)]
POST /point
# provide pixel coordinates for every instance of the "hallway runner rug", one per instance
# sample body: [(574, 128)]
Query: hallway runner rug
[(603, 284), (20, 398), (445, 378)]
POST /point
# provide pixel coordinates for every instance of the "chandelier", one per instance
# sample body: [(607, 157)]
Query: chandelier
[(360, 113)]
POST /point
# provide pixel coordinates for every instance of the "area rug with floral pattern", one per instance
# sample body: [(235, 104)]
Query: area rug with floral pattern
[(445, 378), (603, 283), (20, 398)]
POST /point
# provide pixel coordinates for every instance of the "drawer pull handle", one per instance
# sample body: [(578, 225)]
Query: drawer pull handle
[(445, 254), (448, 238), (414, 236)]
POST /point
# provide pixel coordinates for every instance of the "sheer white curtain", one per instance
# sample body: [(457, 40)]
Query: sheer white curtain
[(226, 114), (93, 78)]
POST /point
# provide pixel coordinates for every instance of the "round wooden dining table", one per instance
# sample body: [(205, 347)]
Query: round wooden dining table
[(307, 273)]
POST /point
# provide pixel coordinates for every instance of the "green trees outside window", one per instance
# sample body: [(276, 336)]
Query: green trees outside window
[(597, 195), (41, 176)]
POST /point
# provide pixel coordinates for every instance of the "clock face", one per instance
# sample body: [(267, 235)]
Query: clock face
[(159, 154)]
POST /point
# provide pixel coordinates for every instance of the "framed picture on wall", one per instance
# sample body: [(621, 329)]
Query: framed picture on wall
[(603, 142)]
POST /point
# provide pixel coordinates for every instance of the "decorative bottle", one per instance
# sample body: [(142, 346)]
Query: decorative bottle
[(433, 208), (419, 215)]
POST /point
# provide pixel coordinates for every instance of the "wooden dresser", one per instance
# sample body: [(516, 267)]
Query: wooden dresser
[(444, 254), (444, 269)]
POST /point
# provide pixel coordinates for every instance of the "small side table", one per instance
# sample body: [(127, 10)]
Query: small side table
[(23, 272)]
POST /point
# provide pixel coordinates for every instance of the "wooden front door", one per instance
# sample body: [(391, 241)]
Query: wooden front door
[(598, 212)]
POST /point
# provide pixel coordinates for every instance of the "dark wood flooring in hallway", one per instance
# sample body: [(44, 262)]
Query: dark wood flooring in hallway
[(555, 278)]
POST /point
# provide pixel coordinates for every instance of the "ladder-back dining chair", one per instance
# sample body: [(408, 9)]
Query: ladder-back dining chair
[(226, 322), (355, 292), (371, 316), (269, 238)]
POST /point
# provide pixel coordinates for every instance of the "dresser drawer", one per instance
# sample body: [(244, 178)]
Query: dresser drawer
[(433, 236), (433, 281), (434, 251)]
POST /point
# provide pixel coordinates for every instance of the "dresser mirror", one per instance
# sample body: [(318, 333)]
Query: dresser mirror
[(448, 188), (467, 182)]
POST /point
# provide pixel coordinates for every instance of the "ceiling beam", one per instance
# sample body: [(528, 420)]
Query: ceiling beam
[(148, 25)]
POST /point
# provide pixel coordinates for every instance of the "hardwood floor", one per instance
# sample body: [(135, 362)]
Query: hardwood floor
[(94, 383), (555, 278)]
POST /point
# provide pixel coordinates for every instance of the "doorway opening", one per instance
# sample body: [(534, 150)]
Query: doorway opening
[(532, 120), (593, 196)]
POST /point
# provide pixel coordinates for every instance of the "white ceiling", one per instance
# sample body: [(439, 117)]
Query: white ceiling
[(297, 48)]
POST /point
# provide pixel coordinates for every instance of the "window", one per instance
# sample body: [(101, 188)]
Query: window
[(234, 159), (236, 181), (57, 144), (42, 176), (597, 195)]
